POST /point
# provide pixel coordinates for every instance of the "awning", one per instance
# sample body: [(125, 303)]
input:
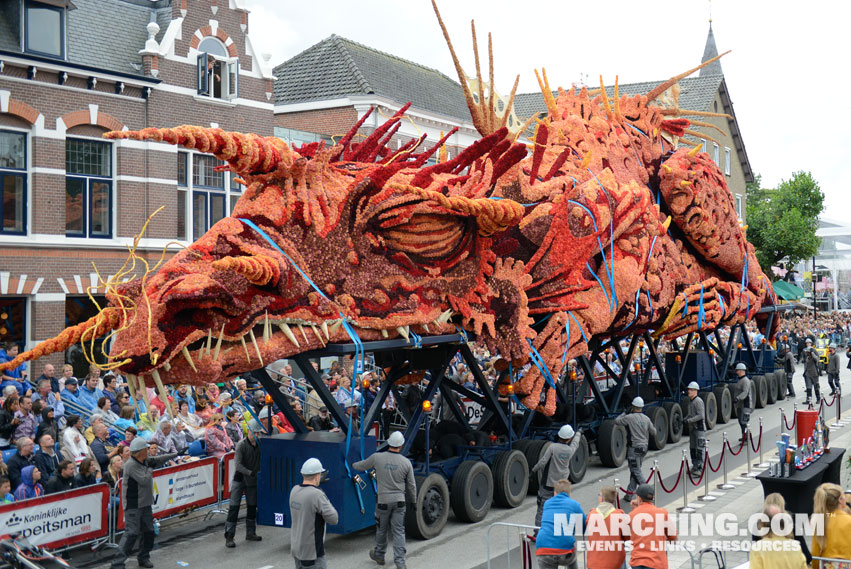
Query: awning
[(787, 290)]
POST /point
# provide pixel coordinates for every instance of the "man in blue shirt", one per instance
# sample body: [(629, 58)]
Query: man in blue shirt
[(16, 376), (562, 519), (71, 392), (89, 393)]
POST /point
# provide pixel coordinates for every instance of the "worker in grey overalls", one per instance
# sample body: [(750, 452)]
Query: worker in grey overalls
[(811, 372), (394, 474), (789, 368), (554, 465), (696, 421), (744, 398), (639, 428), (833, 369)]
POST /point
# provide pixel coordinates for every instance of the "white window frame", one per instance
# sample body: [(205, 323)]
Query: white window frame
[(738, 205), (114, 201), (727, 157), (229, 77), (231, 195), (716, 154), (28, 181)]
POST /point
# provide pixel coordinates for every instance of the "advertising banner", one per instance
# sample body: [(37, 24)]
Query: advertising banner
[(177, 488), (473, 411), (60, 519)]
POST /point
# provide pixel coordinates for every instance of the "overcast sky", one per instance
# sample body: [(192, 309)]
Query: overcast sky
[(787, 74)]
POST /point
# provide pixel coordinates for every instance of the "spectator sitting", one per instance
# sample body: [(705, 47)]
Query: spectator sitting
[(25, 457), (16, 377), (88, 394), (109, 391), (48, 425), (113, 473), (129, 434), (101, 447), (67, 373), (217, 440), (70, 393), (29, 486), (6, 496), (835, 543), (48, 372), (8, 421), (74, 445), (321, 421), (105, 409), (193, 423), (164, 438), (26, 420), (46, 459), (605, 549), (94, 419), (557, 549), (212, 392), (127, 418), (88, 475), (774, 550), (184, 394), (50, 398), (149, 421), (62, 480), (648, 541), (233, 428), (776, 499), (203, 411)]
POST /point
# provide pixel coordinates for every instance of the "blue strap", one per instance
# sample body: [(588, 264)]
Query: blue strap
[(567, 344), (650, 304), (539, 363), (418, 341), (685, 305), (721, 302), (634, 316), (601, 284), (700, 310), (611, 236), (254, 415), (610, 272), (578, 325), (463, 333)]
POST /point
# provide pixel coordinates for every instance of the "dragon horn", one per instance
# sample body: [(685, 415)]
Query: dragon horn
[(96, 326), (247, 153), (664, 86)]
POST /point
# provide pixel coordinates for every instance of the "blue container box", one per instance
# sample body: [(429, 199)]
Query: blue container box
[(280, 469)]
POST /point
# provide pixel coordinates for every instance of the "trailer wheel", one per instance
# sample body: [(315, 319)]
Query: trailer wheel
[(533, 451), (472, 491), (761, 388), (710, 408), (771, 395), (660, 420), (579, 462), (511, 479), (611, 443), (675, 421), (725, 402), (781, 384), (427, 517)]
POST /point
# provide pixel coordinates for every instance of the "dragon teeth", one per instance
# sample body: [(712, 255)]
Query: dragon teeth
[(336, 325), (189, 359), (325, 330), (267, 329), (166, 366), (403, 330), (209, 344), (301, 329), (425, 327), (219, 343), (245, 348), (384, 333), (318, 334), (256, 347), (285, 328)]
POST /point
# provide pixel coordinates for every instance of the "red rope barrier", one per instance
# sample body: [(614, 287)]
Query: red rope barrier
[(741, 446), (702, 474), (652, 474), (785, 422), (750, 436), (677, 483), (720, 460), (832, 401)]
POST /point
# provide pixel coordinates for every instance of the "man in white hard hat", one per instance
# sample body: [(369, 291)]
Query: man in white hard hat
[(696, 421), (310, 510), (833, 369), (745, 397), (247, 466), (137, 499), (395, 476), (554, 465), (639, 428)]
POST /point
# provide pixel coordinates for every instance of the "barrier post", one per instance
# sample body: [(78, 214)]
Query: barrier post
[(724, 485), (782, 420), (685, 508), (655, 477), (707, 497), (618, 493), (761, 463), (838, 422), (747, 443), (795, 418)]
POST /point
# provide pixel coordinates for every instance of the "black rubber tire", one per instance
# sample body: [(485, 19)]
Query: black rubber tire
[(533, 452), (471, 491), (771, 395), (781, 384), (579, 462), (427, 517), (611, 443), (710, 408), (724, 400), (510, 478), (675, 421), (761, 388), (660, 420)]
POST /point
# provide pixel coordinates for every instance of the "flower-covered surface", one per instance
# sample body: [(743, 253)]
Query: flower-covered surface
[(599, 228)]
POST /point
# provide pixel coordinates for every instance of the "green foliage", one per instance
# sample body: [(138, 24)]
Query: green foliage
[(782, 222)]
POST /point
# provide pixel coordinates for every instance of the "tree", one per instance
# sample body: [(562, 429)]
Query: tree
[(782, 222)]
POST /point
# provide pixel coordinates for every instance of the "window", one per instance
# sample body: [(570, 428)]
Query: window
[(45, 29), (716, 154), (739, 205), (13, 320), (218, 74), (204, 195), (13, 182), (727, 160), (88, 188)]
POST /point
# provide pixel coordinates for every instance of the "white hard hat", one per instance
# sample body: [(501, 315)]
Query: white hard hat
[(397, 439), (638, 402), (693, 385), (311, 466), (741, 366), (832, 345), (808, 341), (566, 433)]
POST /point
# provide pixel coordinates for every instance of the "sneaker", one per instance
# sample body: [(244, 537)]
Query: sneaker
[(374, 557), (229, 542), (146, 563), (253, 537)]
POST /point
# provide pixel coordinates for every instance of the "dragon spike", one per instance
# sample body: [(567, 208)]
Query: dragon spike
[(617, 100), (166, 366), (288, 332), (260, 270), (303, 334), (98, 325), (605, 98), (141, 390), (245, 348), (687, 112), (162, 392), (317, 333), (219, 343), (384, 333), (209, 345), (256, 347), (549, 100), (700, 135), (188, 359), (706, 124), (403, 331), (267, 330), (336, 325), (694, 151), (667, 223), (247, 153), (662, 87), (325, 330)]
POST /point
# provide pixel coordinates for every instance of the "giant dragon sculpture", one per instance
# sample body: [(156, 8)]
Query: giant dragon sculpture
[(604, 228)]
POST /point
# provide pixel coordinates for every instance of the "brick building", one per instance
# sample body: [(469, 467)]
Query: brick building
[(71, 70)]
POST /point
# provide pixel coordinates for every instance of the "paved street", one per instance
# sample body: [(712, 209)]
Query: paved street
[(200, 543)]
